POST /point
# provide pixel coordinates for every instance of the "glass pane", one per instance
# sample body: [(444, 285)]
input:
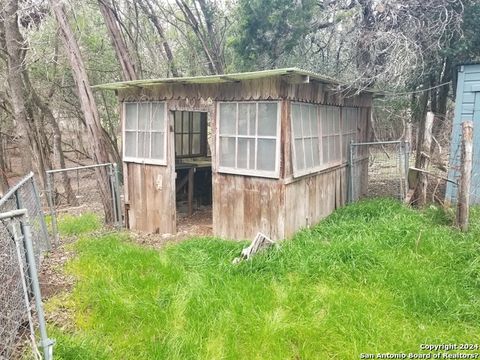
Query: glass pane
[(196, 144), (185, 127), (246, 112), (246, 152), (178, 144), (327, 122), (299, 156), (158, 116), (306, 120), (185, 145), (325, 148), (336, 120), (313, 120), (143, 145), (196, 122), (178, 121), (266, 154), (252, 119), (131, 116), (228, 113), (130, 143), (323, 116), (267, 119), (158, 145), (316, 152), (144, 116), (297, 120), (227, 152), (308, 154)]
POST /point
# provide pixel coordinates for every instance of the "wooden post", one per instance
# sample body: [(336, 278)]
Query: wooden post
[(422, 161), (464, 182), (191, 174)]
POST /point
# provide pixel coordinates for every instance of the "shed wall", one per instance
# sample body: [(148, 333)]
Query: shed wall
[(467, 107)]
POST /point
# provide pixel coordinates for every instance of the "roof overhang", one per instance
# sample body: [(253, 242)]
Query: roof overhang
[(290, 75)]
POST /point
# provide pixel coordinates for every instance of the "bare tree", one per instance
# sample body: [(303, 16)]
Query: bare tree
[(148, 9), (121, 50), (98, 143)]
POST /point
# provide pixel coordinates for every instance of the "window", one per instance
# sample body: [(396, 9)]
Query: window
[(248, 140), (331, 135), (190, 134), (144, 133), (306, 141), (350, 116)]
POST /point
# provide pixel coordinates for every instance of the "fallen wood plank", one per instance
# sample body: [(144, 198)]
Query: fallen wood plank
[(260, 243)]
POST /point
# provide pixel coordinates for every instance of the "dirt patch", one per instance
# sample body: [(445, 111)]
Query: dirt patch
[(198, 224)]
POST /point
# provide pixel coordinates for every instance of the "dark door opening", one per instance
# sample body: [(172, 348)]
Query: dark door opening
[(193, 166)]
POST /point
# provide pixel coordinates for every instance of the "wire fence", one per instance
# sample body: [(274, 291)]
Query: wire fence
[(378, 169), (454, 167), (23, 241), (77, 191)]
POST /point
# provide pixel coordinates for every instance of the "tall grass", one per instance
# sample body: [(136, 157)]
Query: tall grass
[(373, 277)]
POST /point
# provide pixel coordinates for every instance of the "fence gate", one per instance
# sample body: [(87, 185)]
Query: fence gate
[(75, 191), (378, 169), (23, 240)]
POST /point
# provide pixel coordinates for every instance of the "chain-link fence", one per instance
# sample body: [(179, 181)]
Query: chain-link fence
[(23, 240), (378, 169), (77, 191)]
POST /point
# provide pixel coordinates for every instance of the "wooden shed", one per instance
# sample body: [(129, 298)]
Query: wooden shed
[(467, 108), (267, 150)]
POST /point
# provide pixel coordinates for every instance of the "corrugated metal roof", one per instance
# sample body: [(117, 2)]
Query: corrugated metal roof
[(218, 79)]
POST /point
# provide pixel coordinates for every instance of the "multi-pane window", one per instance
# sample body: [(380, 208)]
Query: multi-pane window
[(190, 134), (350, 116), (331, 135), (248, 140), (306, 140), (144, 132)]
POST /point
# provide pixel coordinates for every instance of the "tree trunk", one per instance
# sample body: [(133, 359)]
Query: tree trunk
[(89, 108), (422, 161), (123, 56), (463, 204), (149, 11), (13, 44)]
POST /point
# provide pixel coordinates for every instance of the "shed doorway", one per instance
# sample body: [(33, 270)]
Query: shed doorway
[(193, 168)]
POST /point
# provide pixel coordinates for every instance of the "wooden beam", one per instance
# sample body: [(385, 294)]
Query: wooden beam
[(466, 161), (296, 79), (191, 173)]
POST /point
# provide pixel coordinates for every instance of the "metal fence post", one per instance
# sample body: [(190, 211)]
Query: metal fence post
[(42, 216), (406, 150), (117, 195), (45, 342), (350, 178), (51, 205), (112, 191)]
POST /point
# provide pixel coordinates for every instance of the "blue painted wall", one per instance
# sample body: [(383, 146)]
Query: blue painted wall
[(467, 107)]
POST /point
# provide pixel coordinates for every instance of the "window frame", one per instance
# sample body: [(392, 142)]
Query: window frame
[(275, 174), (203, 133), (143, 160), (314, 169), (330, 163), (351, 135)]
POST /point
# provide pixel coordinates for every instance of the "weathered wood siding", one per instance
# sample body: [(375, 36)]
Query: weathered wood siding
[(311, 198), (273, 88), (245, 205), (151, 195)]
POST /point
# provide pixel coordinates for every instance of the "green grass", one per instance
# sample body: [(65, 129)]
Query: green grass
[(76, 225), (373, 277)]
